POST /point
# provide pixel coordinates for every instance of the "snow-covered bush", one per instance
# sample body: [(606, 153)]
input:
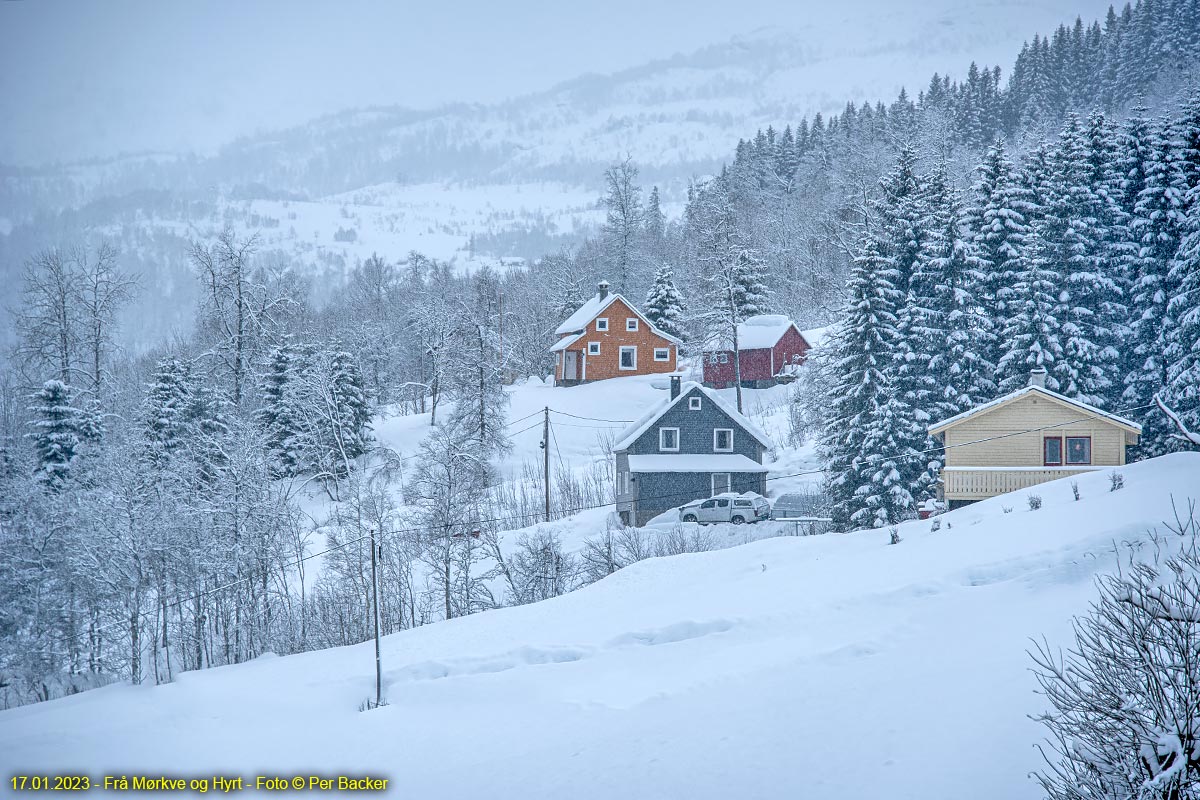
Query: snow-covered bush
[(1035, 502), (1123, 721)]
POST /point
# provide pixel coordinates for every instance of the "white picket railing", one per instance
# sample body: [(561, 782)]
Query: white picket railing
[(976, 483)]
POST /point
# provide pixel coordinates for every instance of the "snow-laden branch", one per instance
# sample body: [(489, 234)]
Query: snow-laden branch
[(1184, 434)]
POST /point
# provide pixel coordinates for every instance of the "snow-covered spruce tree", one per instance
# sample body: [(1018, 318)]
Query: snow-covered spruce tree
[(858, 442), (208, 424), (664, 303), (909, 209), (55, 432), (1122, 721), (1102, 146), (901, 211), (654, 229), (921, 326), (276, 414), (1182, 352), (1070, 231), (998, 221), (1156, 229), (166, 410), (350, 408), (1031, 331), (960, 336)]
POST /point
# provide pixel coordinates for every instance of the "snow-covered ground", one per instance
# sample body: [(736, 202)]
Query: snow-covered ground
[(819, 667)]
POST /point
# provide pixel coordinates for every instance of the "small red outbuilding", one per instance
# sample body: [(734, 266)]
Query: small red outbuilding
[(772, 347)]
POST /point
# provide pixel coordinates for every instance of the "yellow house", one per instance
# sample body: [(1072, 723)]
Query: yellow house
[(1024, 438)]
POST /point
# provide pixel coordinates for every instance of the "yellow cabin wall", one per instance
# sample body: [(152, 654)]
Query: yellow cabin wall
[(1025, 449)]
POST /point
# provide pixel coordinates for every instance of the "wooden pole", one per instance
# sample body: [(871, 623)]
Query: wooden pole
[(546, 456), (375, 603)]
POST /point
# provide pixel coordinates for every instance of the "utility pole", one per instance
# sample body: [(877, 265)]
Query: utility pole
[(546, 456), (375, 603)]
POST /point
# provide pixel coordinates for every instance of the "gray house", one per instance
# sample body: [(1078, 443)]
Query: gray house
[(692, 445)]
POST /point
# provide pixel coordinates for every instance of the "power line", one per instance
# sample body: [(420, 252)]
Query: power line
[(521, 419), (592, 427), (591, 419), (577, 509), (531, 427)]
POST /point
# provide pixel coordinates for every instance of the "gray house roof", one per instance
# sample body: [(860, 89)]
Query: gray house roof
[(630, 434)]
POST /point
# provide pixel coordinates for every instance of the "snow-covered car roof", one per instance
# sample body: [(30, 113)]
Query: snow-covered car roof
[(732, 495)]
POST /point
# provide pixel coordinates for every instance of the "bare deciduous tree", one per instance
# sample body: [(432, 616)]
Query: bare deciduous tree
[(1125, 700)]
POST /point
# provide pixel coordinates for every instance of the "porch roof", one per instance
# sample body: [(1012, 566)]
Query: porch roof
[(694, 462)]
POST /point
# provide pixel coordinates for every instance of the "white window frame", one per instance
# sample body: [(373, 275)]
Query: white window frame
[(695, 404), (591, 351), (713, 483), (602, 323), (722, 449), (662, 447), (666, 351), (631, 324), (621, 359)]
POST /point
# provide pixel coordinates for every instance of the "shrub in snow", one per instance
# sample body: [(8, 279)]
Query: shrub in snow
[(1075, 489), (1035, 502), (895, 538), (1006, 509), (936, 526), (1115, 481), (1123, 720)]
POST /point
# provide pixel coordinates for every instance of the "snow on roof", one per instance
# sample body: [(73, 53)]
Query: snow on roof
[(586, 313), (759, 332), (643, 423), (946, 423), (565, 342), (816, 336), (578, 322), (701, 462)]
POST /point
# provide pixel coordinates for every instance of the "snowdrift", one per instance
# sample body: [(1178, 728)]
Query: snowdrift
[(819, 667)]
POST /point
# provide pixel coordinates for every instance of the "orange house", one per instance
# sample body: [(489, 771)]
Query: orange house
[(609, 338)]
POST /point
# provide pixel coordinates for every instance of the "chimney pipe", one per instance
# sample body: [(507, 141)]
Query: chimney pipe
[(675, 382), (603, 290), (1037, 377)]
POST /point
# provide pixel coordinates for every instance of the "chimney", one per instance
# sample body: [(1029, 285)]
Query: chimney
[(603, 290), (1037, 377), (675, 379)]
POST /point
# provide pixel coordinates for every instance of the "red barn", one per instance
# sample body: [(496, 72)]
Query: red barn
[(772, 348)]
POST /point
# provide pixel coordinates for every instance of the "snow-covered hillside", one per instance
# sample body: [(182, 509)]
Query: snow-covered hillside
[(833, 666)]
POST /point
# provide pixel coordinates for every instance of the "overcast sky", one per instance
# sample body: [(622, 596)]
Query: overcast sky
[(80, 79), (195, 74)]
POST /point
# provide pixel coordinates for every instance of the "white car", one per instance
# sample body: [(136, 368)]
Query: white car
[(727, 507)]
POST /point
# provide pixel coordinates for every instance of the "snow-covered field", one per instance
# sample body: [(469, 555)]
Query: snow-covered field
[(820, 667)]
